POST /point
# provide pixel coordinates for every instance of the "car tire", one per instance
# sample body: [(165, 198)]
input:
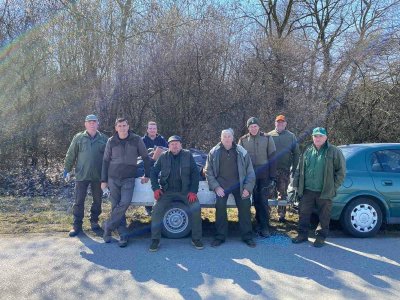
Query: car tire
[(176, 222), (362, 218)]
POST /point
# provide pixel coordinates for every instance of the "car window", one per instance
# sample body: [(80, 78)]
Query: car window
[(385, 161)]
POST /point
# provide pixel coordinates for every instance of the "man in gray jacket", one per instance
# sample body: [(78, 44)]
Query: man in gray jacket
[(118, 173), (229, 171)]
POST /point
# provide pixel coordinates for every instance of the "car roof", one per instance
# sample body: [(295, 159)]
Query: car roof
[(371, 145)]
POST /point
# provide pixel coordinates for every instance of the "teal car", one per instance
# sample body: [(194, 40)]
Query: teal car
[(370, 193)]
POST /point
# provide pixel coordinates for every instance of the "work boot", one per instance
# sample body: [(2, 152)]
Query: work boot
[(265, 233), (95, 226), (75, 231), (300, 239), (123, 241), (155, 244), (198, 244), (319, 242), (216, 243), (250, 243)]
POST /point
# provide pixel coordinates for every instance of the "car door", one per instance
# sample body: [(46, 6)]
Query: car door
[(384, 166)]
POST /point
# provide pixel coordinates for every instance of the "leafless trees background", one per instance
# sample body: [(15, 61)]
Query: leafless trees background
[(195, 67)]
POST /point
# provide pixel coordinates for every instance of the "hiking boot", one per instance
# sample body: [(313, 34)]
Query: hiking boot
[(75, 231), (123, 241), (250, 243), (319, 242), (95, 226), (300, 239), (265, 233), (216, 243), (198, 244), (155, 244)]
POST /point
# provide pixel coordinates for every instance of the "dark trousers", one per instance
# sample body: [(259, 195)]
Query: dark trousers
[(282, 183), (78, 210), (162, 204), (221, 217), (260, 198), (121, 192), (308, 202)]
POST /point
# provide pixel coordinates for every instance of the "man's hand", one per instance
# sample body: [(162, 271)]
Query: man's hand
[(219, 191), (157, 194), (66, 176), (103, 185), (192, 197), (245, 194), (144, 180)]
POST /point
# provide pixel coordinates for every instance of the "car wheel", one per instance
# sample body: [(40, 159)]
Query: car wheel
[(176, 222), (362, 218)]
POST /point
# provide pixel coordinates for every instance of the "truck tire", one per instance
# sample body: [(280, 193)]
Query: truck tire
[(362, 218), (176, 222)]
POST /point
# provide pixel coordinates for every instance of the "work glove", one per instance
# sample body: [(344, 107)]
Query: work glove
[(192, 197), (272, 182), (106, 192), (66, 176), (157, 194)]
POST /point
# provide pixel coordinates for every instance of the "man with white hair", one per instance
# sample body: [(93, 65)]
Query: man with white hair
[(229, 171)]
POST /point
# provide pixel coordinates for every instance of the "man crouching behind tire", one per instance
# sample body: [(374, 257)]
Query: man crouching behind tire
[(179, 180), (229, 171)]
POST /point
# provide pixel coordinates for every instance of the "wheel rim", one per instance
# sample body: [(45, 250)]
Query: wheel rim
[(176, 220), (364, 218)]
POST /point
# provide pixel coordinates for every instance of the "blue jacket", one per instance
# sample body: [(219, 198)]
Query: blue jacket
[(158, 141)]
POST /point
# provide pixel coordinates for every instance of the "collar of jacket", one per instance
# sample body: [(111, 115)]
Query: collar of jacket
[(239, 149), (85, 133), (116, 138)]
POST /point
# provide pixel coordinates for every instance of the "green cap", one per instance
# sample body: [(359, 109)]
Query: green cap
[(91, 118), (251, 121), (174, 138), (319, 131)]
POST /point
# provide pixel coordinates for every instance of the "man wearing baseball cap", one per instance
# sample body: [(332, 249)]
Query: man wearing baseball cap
[(287, 156), (86, 154), (320, 173), (179, 180)]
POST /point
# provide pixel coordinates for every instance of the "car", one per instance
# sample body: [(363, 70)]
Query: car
[(370, 193)]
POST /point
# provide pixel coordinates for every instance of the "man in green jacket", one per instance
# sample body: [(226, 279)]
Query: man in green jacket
[(229, 171), (261, 148), (287, 156), (86, 154), (320, 173)]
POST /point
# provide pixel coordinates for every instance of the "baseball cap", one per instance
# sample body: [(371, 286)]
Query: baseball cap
[(91, 118), (280, 118), (319, 131), (174, 138)]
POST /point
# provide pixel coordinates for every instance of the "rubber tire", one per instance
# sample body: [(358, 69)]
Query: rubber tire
[(346, 219), (179, 213)]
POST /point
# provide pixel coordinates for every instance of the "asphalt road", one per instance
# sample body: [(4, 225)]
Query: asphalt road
[(38, 266)]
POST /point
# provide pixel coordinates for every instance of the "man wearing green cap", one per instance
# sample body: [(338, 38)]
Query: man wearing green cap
[(320, 173), (86, 154), (261, 148)]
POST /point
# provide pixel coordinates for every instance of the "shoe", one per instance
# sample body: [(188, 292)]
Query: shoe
[(107, 235), (148, 210), (198, 244), (216, 243), (250, 243), (95, 226), (154, 245), (74, 231), (265, 233), (300, 239), (319, 242), (123, 242), (282, 219)]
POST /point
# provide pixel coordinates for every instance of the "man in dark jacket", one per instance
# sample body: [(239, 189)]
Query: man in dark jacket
[(86, 154), (261, 148), (229, 171), (287, 157), (118, 173), (179, 180), (320, 173), (152, 140)]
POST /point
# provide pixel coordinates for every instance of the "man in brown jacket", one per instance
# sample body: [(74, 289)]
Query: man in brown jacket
[(261, 148)]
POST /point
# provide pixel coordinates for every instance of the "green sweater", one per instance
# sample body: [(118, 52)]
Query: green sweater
[(334, 172), (86, 154)]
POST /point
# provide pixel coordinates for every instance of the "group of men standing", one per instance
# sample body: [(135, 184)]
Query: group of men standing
[(256, 164)]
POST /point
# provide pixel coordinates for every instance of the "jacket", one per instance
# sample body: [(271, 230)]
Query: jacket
[(245, 168), (120, 158), (287, 150), (188, 169), (158, 141), (334, 172), (86, 153)]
